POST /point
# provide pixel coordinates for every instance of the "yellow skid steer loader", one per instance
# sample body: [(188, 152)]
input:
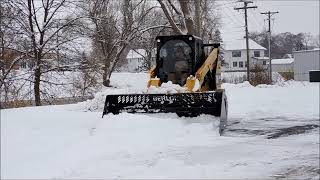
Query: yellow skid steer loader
[(180, 59)]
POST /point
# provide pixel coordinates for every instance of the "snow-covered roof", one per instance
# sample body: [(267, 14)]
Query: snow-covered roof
[(282, 61), (136, 53), (240, 44), (261, 58), (287, 56), (304, 51)]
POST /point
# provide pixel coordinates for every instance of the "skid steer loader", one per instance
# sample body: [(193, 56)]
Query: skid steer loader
[(180, 59)]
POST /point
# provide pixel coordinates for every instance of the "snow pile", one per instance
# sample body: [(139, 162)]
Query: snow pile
[(166, 88), (233, 77), (129, 81), (97, 103), (244, 84), (277, 79), (122, 83), (239, 77)]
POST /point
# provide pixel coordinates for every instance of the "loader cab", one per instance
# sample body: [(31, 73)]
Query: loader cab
[(178, 57)]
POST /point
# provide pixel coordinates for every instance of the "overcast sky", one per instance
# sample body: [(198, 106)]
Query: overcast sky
[(294, 16)]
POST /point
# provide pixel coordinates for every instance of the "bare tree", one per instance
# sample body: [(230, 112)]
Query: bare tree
[(307, 39), (9, 48), (114, 30), (316, 41), (47, 26), (209, 20)]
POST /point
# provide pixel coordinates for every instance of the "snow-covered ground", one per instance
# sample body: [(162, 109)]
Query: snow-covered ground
[(273, 132)]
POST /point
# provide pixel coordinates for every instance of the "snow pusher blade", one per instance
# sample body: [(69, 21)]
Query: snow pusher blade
[(183, 104)]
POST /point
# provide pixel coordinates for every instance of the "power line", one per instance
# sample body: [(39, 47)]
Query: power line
[(269, 14), (232, 18), (255, 16), (246, 7)]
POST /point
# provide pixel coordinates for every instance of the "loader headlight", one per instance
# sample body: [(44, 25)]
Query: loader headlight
[(190, 38), (158, 40)]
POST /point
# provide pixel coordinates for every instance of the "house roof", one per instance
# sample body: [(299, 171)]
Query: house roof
[(282, 61), (261, 58), (304, 51), (287, 56), (240, 44)]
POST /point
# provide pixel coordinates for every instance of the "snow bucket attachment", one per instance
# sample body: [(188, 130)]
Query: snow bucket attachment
[(183, 104)]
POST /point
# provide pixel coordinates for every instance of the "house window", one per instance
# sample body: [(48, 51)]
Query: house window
[(235, 64), (256, 53), (241, 64), (264, 62), (236, 53)]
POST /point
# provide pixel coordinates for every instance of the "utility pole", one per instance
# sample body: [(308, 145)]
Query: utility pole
[(245, 7), (269, 14)]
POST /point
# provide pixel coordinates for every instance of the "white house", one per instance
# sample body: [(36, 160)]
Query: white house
[(305, 61), (136, 59), (235, 54)]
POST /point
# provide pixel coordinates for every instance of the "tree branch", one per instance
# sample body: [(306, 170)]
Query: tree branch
[(170, 19)]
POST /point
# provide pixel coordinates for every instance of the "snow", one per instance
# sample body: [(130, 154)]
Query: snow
[(73, 142), (166, 88), (196, 85), (240, 44), (282, 61)]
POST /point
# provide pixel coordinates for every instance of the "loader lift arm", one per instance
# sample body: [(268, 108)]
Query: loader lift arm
[(210, 64)]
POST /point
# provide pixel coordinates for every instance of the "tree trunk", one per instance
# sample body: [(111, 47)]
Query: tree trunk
[(105, 75), (184, 4), (36, 86), (197, 18)]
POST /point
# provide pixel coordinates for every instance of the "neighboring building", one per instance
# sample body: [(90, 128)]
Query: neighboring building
[(282, 65), (136, 59), (49, 60), (10, 57), (261, 61), (305, 61), (23, 61), (287, 56), (235, 55)]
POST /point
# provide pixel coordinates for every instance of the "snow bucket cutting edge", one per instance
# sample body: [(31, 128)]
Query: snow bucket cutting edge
[(183, 104)]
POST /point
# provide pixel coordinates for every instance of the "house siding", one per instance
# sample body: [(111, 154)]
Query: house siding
[(229, 59), (282, 67), (304, 61)]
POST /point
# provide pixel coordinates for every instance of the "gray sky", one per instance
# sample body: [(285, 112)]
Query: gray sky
[(294, 16)]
